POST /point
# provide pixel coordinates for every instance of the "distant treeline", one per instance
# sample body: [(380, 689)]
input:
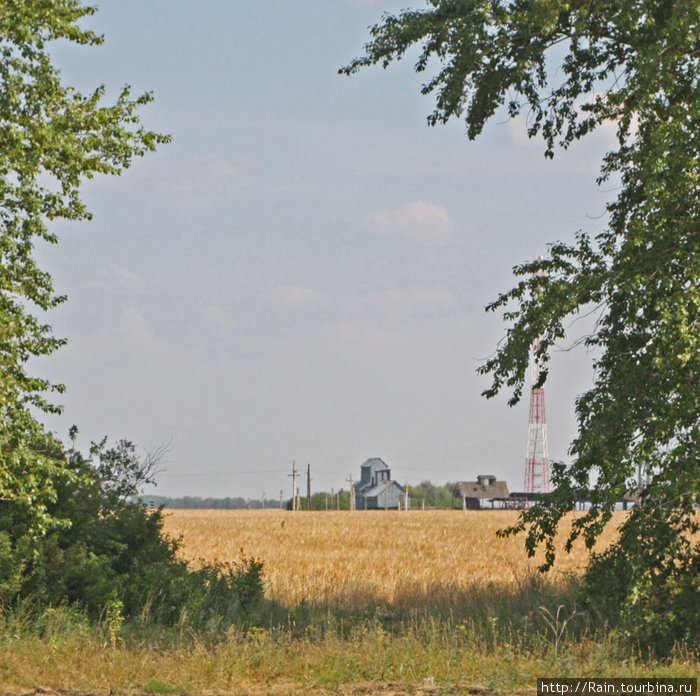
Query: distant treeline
[(191, 502), (424, 494)]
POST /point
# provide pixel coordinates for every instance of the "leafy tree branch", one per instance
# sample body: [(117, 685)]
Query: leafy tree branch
[(634, 63), (52, 139)]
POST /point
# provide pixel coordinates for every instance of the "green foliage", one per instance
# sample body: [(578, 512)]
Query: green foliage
[(113, 560), (232, 590), (572, 66), (655, 592), (10, 569), (193, 502), (339, 500), (68, 533), (432, 495), (114, 620), (155, 686), (492, 634), (52, 138)]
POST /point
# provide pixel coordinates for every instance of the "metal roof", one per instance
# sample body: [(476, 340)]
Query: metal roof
[(379, 488), (376, 463)]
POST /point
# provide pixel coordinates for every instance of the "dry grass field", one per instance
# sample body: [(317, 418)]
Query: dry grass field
[(368, 557), (391, 603)]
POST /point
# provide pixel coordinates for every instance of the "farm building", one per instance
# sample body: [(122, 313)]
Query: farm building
[(376, 490), (486, 491)]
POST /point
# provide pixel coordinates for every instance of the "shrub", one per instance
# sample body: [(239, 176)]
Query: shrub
[(111, 551), (656, 608)]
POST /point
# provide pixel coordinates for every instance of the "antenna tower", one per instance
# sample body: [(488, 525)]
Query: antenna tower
[(537, 462)]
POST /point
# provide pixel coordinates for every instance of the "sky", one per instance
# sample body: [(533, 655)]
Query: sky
[(301, 275)]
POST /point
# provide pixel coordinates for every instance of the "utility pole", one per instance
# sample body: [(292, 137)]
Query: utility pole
[(263, 501), (308, 486), (405, 499), (295, 493), (352, 492), (281, 494)]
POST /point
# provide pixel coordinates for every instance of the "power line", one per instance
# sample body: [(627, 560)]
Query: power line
[(228, 472)]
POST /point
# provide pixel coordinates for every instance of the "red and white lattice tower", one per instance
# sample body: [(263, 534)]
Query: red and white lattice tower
[(537, 462)]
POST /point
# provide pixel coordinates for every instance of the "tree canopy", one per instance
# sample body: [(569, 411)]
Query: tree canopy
[(570, 66), (52, 138)]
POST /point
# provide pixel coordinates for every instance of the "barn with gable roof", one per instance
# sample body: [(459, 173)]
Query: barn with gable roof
[(376, 490)]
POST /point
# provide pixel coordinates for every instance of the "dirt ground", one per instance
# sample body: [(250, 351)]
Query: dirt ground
[(292, 690)]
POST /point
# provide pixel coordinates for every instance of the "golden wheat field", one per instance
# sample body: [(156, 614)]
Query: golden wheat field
[(346, 557)]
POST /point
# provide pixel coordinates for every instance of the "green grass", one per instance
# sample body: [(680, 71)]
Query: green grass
[(492, 638)]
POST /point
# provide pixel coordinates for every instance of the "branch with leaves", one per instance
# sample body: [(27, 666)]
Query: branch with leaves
[(570, 67), (52, 139)]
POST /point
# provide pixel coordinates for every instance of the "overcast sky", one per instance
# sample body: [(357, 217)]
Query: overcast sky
[(302, 274)]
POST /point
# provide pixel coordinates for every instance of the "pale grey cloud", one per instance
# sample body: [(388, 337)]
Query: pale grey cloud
[(424, 300), (113, 279), (133, 331), (382, 303), (133, 338), (420, 221), (517, 130), (367, 335), (217, 318), (201, 175), (297, 297)]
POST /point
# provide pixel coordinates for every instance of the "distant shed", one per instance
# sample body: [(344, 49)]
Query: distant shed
[(485, 492), (376, 490)]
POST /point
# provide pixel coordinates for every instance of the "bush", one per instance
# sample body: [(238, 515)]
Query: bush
[(112, 549), (656, 608)]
